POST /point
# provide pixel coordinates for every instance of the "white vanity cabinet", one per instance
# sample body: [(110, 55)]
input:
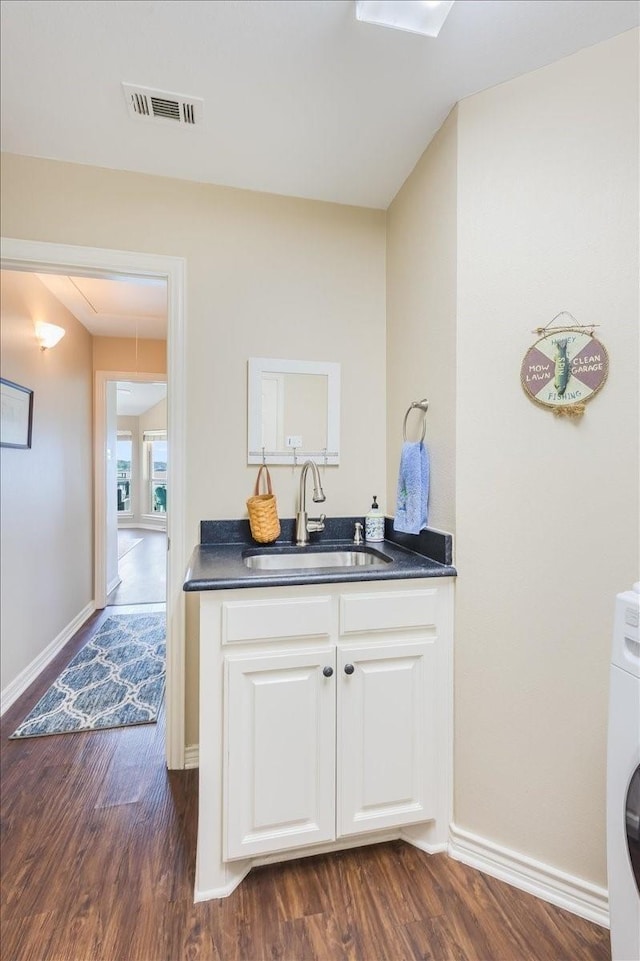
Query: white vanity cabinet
[(279, 772), (385, 757), (325, 721)]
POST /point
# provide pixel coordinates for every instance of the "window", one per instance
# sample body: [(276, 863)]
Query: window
[(124, 454), (155, 445)]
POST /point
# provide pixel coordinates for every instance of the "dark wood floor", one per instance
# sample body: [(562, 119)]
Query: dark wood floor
[(143, 569), (98, 857)]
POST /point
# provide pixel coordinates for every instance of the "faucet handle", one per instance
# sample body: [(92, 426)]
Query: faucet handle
[(315, 524), (357, 537)]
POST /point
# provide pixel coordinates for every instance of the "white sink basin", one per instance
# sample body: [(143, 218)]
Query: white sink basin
[(314, 559)]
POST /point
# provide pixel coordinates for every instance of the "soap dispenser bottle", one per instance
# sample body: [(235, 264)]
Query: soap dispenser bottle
[(374, 523)]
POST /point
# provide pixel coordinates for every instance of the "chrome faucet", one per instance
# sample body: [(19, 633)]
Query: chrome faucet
[(308, 525)]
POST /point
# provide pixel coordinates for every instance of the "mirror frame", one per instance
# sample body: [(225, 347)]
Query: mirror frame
[(260, 365)]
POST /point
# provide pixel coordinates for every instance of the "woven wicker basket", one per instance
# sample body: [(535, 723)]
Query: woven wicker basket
[(263, 512)]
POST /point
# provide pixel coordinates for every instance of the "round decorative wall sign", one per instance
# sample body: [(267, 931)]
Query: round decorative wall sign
[(564, 369)]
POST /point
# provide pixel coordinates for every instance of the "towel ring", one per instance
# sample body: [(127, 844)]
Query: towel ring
[(422, 405)]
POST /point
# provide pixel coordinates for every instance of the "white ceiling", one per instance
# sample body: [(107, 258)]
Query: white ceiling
[(114, 307), (299, 97), (135, 399)]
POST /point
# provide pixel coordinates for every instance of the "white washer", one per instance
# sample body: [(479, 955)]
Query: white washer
[(623, 780)]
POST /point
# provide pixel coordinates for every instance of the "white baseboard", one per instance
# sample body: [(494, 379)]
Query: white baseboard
[(151, 523), (140, 525), (18, 686), (111, 586), (423, 845), (544, 881), (235, 875)]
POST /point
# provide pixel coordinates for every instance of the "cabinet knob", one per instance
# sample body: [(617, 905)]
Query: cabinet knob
[(327, 671), (349, 669)]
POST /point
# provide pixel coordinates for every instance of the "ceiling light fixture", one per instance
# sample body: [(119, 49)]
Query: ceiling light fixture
[(416, 16), (49, 335)]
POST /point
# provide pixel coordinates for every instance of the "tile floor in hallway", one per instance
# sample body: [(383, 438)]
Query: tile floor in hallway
[(143, 568)]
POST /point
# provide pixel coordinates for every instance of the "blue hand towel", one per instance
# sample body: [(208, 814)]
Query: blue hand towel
[(413, 489)]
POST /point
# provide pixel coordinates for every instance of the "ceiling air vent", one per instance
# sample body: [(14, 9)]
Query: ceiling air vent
[(160, 105)]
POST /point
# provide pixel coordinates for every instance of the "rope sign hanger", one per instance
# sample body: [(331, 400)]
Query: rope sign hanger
[(565, 368)]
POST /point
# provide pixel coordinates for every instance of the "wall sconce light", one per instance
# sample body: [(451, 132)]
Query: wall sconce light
[(49, 335)]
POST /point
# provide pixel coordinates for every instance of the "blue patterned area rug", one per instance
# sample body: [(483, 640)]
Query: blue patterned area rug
[(117, 679)]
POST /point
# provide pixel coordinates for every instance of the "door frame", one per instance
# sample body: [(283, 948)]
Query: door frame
[(44, 257)]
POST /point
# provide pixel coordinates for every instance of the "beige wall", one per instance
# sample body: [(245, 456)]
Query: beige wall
[(547, 509), (267, 276), (155, 418), (421, 319), (525, 204), (46, 540), (124, 354)]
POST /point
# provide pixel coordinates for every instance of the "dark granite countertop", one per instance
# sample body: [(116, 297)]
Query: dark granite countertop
[(217, 562)]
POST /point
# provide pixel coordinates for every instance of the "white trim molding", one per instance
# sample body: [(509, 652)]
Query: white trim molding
[(192, 756), (438, 847), (26, 677), (40, 256), (162, 528), (234, 874), (111, 586), (542, 880), (143, 527)]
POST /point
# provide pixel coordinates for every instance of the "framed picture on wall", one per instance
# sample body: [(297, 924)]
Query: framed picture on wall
[(16, 414)]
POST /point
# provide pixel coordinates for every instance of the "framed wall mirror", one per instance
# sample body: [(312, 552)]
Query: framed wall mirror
[(294, 411)]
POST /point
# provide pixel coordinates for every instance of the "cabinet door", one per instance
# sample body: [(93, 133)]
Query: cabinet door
[(386, 736), (280, 752)]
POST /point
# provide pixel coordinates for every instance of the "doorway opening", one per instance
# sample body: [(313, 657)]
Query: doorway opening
[(141, 494), (61, 259)]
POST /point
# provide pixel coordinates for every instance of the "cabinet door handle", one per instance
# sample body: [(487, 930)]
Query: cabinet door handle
[(327, 671), (349, 669)]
